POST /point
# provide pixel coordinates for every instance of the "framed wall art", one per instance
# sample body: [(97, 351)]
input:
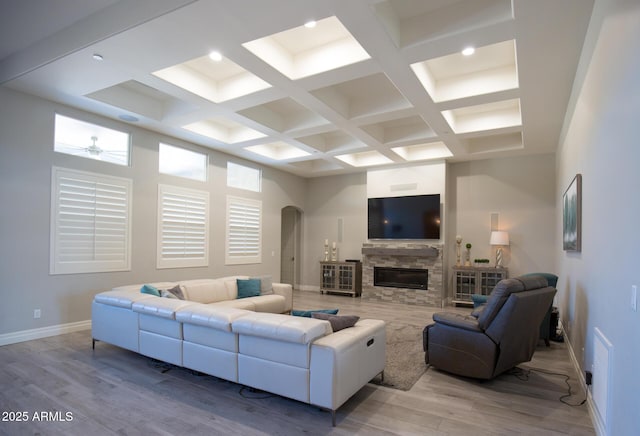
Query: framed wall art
[(572, 215)]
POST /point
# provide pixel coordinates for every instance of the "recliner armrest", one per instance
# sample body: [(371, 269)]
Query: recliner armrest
[(452, 319)]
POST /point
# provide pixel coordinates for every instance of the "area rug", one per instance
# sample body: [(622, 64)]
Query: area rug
[(405, 357)]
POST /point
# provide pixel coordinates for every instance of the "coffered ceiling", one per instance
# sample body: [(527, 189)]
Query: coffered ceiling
[(373, 83)]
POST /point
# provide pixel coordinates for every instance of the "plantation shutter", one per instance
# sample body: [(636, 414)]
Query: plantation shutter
[(183, 227), (90, 222), (244, 231)]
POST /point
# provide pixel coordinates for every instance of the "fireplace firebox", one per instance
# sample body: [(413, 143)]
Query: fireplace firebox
[(409, 278)]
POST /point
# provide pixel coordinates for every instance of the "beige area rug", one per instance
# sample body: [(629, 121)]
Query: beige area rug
[(405, 358)]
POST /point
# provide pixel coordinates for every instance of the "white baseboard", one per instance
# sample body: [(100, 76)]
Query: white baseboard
[(43, 332), (598, 425), (308, 288)]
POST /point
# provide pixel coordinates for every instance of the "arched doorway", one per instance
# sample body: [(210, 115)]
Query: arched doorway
[(290, 245)]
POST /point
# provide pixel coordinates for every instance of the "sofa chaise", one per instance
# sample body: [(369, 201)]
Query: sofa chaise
[(295, 357)]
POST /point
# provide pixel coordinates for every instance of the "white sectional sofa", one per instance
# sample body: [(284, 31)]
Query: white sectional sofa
[(296, 357)]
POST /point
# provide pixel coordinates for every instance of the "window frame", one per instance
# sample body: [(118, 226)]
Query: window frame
[(185, 150), (77, 209), (236, 256), (258, 173), (91, 130), (200, 199)]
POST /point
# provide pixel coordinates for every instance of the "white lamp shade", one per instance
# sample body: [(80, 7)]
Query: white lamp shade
[(499, 238)]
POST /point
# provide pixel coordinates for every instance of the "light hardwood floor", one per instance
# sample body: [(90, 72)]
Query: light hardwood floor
[(114, 391)]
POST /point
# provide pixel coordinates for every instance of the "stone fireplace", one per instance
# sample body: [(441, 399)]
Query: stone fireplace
[(387, 264)]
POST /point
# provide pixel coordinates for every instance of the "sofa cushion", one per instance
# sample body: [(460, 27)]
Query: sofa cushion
[(282, 327), (206, 290), (150, 289), (309, 313), (266, 284), (216, 317), (242, 303), (337, 322), (248, 288), (478, 311), (121, 298), (162, 307)]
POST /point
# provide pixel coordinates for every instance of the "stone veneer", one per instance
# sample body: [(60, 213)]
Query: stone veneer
[(403, 255)]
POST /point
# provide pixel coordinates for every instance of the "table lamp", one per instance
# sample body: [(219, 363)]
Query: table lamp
[(500, 239)]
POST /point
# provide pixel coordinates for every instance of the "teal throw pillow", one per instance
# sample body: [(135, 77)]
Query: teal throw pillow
[(151, 290), (478, 300), (309, 313), (248, 287)]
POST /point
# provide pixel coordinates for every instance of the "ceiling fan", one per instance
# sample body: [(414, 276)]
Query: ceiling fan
[(92, 151)]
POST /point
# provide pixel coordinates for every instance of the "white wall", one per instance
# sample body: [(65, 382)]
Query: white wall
[(601, 141), (26, 158), (411, 180)]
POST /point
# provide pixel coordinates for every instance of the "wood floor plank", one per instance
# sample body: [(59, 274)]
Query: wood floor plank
[(111, 391)]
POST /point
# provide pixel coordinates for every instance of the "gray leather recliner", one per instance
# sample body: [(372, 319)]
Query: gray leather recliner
[(495, 337)]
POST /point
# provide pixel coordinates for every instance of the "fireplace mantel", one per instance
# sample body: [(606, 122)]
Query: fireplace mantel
[(394, 251)]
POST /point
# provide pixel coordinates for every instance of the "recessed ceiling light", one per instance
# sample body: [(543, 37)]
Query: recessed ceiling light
[(310, 24), (97, 57), (468, 51), (215, 56)]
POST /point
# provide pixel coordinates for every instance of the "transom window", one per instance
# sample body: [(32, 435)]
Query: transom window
[(91, 141), (178, 161), (243, 177)]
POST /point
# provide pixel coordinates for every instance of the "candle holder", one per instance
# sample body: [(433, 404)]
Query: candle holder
[(467, 259), (326, 251), (334, 254), (458, 243)]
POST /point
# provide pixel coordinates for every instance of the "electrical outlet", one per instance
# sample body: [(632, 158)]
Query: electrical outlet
[(634, 298), (36, 313)]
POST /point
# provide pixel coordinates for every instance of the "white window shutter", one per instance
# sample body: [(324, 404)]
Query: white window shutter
[(90, 222), (244, 231), (183, 227)]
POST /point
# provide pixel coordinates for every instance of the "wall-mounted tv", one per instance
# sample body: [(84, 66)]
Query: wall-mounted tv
[(408, 217)]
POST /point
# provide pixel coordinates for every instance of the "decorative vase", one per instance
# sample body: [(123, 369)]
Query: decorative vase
[(467, 257)]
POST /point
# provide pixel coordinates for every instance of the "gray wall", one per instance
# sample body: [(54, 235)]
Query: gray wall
[(601, 141), (327, 199), (26, 158), (522, 192)]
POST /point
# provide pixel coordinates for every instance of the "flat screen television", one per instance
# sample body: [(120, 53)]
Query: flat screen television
[(408, 217)]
